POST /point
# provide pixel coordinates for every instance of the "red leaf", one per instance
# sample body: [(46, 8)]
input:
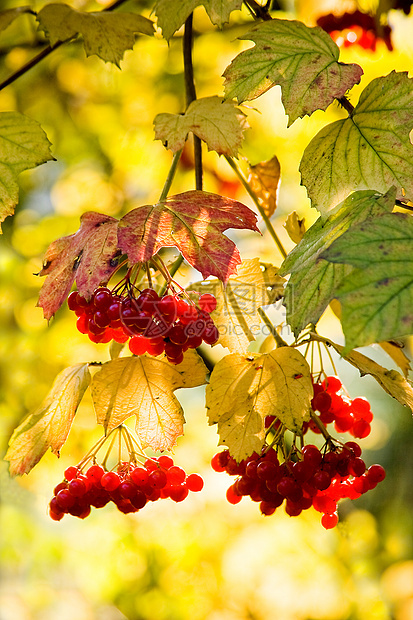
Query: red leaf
[(87, 256), (193, 222)]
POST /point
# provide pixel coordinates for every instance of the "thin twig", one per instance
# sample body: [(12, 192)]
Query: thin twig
[(190, 94), (254, 197)]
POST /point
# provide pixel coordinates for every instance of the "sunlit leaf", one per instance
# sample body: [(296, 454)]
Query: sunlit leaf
[(89, 256), (144, 387), (49, 425), (264, 179), (108, 35), (217, 122), (395, 351), (369, 150), (193, 222), (295, 227), (23, 145), (244, 389), (377, 297), (314, 280), (302, 60), (236, 315), (172, 14), (8, 16), (391, 381)]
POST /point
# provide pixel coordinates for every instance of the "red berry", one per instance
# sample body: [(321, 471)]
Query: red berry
[(95, 473), (331, 385), (211, 335), (176, 475), (178, 493), (102, 298), (138, 345), (72, 301), (328, 521), (376, 473), (64, 500), (165, 461), (155, 347), (110, 481), (232, 497), (71, 472), (139, 476), (216, 463), (361, 429), (168, 306), (194, 483), (267, 508), (158, 478), (207, 302)]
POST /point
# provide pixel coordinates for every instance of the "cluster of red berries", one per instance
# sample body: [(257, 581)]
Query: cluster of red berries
[(309, 477), (129, 488), (352, 416), (152, 324), (355, 28), (312, 478)]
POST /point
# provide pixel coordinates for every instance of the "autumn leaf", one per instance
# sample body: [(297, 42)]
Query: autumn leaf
[(23, 145), (264, 179), (314, 280), (236, 315), (217, 122), (89, 256), (395, 351), (193, 222), (108, 35), (144, 386), (302, 60), (377, 296), (8, 16), (295, 227), (369, 150), (172, 14), (245, 389), (391, 381), (49, 425)]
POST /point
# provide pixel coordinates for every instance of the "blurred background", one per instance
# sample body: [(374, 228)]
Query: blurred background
[(203, 558)]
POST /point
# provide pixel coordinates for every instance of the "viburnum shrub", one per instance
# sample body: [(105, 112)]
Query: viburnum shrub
[(292, 434)]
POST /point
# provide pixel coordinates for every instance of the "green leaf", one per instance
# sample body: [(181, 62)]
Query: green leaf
[(49, 425), (8, 16), (23, 145), (313, 281), (245, 389), (302, 60), (144, 386), (377, 297), (217, 122), (172, 14), (108, 35), (369, 150)]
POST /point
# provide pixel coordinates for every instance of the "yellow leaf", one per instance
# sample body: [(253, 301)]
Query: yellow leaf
[(398, 356), (144, 386), (49, 425), (295, 227), (236, 315), (391, 381), (264, 179), (245, 389)]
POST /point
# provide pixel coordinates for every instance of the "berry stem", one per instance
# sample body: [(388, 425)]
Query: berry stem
[(280, 342), (321, 426)]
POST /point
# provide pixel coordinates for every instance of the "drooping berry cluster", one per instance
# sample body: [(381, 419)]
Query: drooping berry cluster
[(129, 488), (308, 476), (152, 324), (352, 416), (312, 478)]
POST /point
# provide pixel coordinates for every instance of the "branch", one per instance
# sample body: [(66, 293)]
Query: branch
[(258, 11), (345, 103), (47, 50), (190, 94)]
